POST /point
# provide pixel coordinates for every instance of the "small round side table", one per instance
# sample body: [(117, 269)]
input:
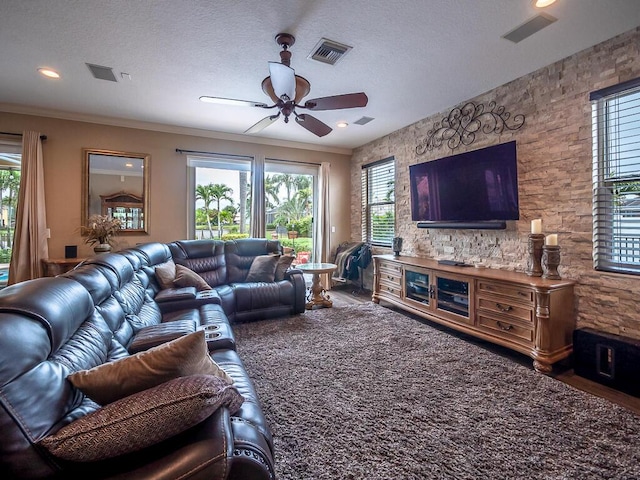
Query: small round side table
[(317, 294)]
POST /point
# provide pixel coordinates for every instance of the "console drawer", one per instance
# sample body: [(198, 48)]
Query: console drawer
[(506, 308), (516, 292), (390, 268), (505, 328), (390, 277), (390, 288)]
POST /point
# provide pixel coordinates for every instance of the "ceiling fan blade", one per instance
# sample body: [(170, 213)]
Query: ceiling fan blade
[(314, 125), (232, 101), (283, 79), (349, 100), (262, 124)]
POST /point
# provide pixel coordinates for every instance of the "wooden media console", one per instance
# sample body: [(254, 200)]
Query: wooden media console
[(531, 315)]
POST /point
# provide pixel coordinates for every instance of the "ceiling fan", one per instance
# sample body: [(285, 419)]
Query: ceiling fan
[(287, 90)]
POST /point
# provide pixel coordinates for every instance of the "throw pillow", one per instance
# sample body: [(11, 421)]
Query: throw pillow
[(186, 277), (263, 268), (181, 357), (142, 419), (166, 274), (283, 265)]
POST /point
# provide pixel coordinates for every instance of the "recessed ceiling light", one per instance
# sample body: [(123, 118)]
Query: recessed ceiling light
[(342, 124), (47, 72), (128, 165), (543, 3)]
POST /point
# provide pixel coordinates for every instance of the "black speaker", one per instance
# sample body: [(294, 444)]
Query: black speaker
[(70, 251), (611, 360)]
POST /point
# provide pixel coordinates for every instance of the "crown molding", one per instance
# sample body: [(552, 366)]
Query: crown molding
[(164, 128)]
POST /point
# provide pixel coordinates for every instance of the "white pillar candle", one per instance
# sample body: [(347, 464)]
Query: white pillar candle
[(551, 239), (536, 226)]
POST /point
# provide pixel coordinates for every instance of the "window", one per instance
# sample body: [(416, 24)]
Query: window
[(289, 205), (220, 187), (378, 202), (10, 159), (616, 174)]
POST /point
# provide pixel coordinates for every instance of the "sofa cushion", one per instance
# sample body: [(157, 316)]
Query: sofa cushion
[(142, 419), (186, 277), (284, 262), (263, 268), (166, 274), (240, 254), (205, 257), (187, 355)]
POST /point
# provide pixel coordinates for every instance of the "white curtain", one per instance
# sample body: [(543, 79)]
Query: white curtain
[(258, 213), (322, 241), (30, 241)]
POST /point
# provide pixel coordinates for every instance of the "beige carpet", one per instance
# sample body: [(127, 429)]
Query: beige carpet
[(363, 392)]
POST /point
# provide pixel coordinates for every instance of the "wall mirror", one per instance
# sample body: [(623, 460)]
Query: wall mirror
[(117, 184)]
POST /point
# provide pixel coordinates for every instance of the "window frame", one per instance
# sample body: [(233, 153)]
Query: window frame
[(368, 182), (612, 251)]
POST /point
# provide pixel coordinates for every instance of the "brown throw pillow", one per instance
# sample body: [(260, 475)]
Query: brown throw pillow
[(283, 265), (188, 355), (166, 274), (186, 277), (142, 419), (263, 268)]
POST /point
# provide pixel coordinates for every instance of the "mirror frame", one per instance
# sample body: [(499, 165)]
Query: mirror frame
[(145, 157)]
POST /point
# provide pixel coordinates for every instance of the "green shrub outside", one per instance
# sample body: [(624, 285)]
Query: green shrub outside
[(234, 236), (299, 244), (5, 255), (303, 226)]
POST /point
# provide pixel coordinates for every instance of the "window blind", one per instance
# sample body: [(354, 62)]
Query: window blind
[(616, 173), (378, 202)]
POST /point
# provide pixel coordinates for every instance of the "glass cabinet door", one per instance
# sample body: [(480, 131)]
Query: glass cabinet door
[(417, 286), (453, 297)]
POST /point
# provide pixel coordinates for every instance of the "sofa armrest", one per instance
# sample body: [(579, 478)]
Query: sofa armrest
[(252, 457), (174, 294), (172, 302), (296, 277)]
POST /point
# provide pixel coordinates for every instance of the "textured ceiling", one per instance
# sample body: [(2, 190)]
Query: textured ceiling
[(413, 58)]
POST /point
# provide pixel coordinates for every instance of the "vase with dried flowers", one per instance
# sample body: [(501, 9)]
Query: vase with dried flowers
[(99, 231)]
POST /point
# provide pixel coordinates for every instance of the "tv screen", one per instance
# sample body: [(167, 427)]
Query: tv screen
[(481, 185)]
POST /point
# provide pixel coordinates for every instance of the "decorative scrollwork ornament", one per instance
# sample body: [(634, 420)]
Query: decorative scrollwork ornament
[(462, 124)]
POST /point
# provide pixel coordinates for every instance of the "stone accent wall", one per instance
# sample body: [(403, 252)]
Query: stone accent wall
[(554, 176)]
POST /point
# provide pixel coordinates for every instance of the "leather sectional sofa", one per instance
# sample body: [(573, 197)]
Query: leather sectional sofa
[(54, 328)]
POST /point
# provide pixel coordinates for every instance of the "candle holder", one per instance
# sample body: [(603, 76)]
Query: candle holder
[(534, 263), (550, 261)]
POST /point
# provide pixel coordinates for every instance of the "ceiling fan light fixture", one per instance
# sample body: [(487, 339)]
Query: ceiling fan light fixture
[(303, 87), (543, 3)]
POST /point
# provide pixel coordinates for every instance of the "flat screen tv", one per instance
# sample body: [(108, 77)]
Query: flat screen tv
[(476, 186)]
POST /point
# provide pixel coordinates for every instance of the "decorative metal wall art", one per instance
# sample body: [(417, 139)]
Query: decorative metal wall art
[(461, 125)]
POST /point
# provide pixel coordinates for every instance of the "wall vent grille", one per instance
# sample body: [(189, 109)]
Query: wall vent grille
[(530, 27), (102, 73), (328, 51), (363, 120)]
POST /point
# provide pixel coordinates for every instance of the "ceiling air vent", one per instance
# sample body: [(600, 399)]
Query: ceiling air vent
[(328, 51), (530, 27), (363, 120), (102, 73)]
